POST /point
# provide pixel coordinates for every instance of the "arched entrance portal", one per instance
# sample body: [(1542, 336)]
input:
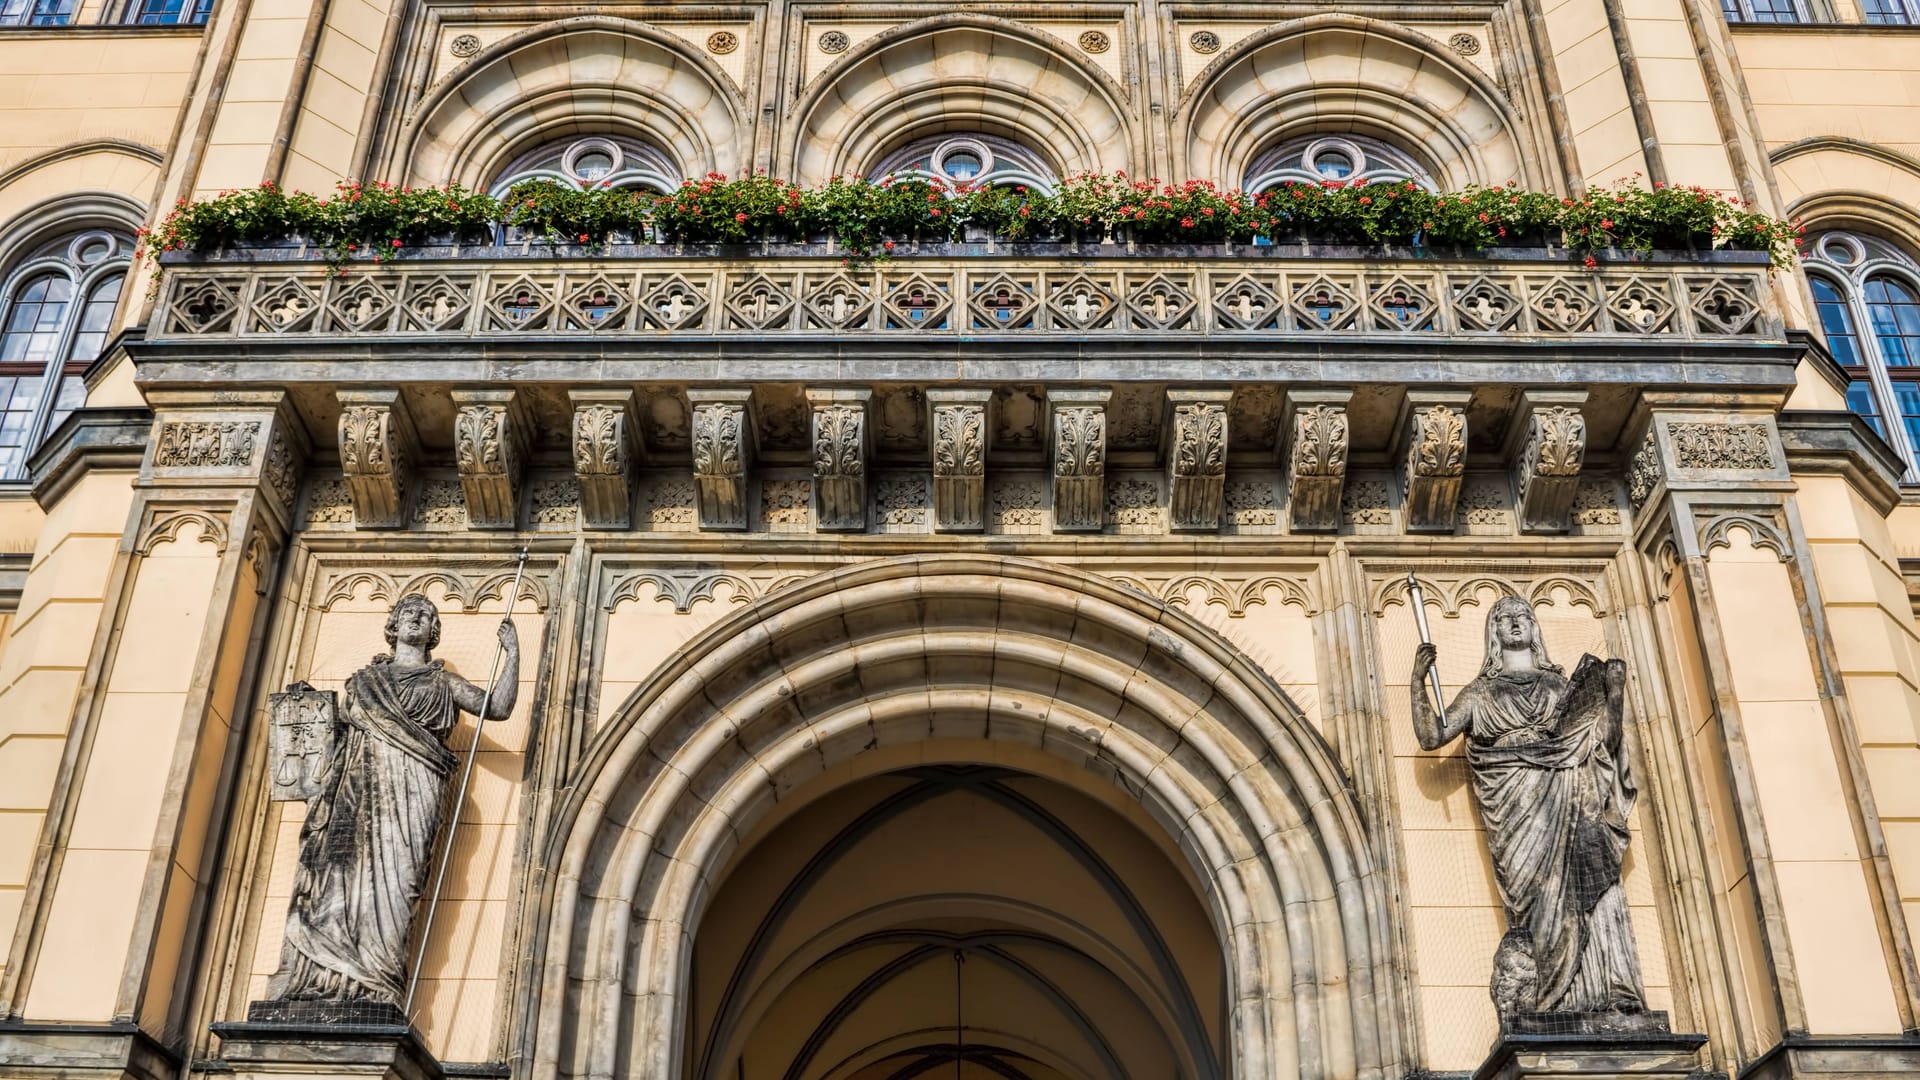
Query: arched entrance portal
[(939, 912), (805, 695)]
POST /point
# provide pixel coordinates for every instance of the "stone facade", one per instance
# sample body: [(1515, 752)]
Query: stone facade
[(991, 659)]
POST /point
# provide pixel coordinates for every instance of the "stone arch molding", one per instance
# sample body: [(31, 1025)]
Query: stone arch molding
[(1119, 689), (1338, 74), (585, 75), (959, 73)]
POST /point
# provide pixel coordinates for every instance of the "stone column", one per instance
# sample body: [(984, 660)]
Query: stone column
[(1314, 425), (722, 454), (1546, 444), (1432, 456), (490, 431), (154, 743), (1196, 458), (379, 453), (959, 437), (1079, 451), (606, 450), (841, 442), (1796, 867)]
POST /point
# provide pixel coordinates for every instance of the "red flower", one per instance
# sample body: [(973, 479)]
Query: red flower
[(740, 216), (1365, 201), (583, 238), (1606, 223), (888, 245), (396, 243), (1590, 262)]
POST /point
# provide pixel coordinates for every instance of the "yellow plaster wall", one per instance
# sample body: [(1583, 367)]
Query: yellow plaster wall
[(47, 643), (253, 97), (1455, 920), (1803, 802), (123, 784), (1690, 140), (1874, 641), (57, 89), (336, 96), (1858, 86), (1594, 90), (458, 1003)]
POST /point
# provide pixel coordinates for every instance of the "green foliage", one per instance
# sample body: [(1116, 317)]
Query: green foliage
[(867, 217)]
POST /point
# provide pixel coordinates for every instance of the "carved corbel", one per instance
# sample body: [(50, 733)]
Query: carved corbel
[(840, 452), (490, 452), (1433, 457), (1079, 458), (1546, 444), (1196, 457), (722, 454), (959, 430), (378, 454), (1314, 424), (606, 450)]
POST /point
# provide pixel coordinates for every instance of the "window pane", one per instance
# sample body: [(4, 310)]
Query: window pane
[(36, 12), (1860, 400), (1885, 12), (95, 317), (1836, 322), (34, 321), (73, 394), (1731, 9), (161, 12), (1774, 11), (1895, 314)]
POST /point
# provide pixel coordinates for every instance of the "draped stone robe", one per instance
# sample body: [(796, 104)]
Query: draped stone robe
[(1554, 793), (368, 837)]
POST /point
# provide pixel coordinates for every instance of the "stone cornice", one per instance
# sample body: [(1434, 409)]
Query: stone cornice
[(106, 438), (1840, 443)]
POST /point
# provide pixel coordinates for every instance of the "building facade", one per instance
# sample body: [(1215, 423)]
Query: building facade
[(998, 659)]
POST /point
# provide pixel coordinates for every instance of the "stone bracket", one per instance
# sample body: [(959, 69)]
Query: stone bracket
[(841, 451), (723, 424), (958, 424), (1079, 449), (1546, 445), (490, 431), (1432, 456), (379, 453), (606, 451), (1314, 423), (1196, 458)]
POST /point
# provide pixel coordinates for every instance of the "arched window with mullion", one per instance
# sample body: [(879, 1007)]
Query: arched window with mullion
[(56, 307), (1866, 296)]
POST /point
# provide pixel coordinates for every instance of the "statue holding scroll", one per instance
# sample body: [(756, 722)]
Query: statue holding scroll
[(372, 822), (1554, 792)]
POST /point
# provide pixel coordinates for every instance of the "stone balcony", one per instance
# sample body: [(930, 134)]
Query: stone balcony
[(1153, 298)]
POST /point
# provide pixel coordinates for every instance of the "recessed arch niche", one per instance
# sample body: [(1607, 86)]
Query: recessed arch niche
[(591, 75), (794, 698), (962, 74), (1341, 74)]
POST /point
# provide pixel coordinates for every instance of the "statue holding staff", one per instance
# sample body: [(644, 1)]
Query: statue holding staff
[(1554, 791), (370, 831)]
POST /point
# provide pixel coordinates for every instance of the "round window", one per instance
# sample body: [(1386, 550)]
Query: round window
[(592, 159), (91, 248), (1333, 164), (1841, 250)]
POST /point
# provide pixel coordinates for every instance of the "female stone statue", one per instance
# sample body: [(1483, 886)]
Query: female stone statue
[(369, 834), (1553, 789)]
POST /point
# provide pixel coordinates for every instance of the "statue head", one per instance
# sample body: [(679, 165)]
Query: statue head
[(1511, 627), (410, 609)]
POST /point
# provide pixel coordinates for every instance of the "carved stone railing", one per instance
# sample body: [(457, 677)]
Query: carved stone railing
[(953, 291)]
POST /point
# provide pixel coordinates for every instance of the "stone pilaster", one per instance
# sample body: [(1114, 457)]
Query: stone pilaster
[(1079, 449), (1546, 444), (379, 453), (959, 436), (490, 434), (606, 450), (1196, 458), (841, 444), (1314, 425), (1432, 456), (722, 454)]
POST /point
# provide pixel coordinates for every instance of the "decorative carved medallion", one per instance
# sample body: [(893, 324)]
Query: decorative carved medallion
[(786, 505), (1133, 505), (215, 444), (834, 42), (1365, 502), (1204, 42), (464, 45), (1596, 505), (1465, 44), (722, 42), (1017, 506), (1094, 41), (440, 503), (1252, 504), (330, 503)]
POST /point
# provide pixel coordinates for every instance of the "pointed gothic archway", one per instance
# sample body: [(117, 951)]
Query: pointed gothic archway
[(1100, 690)]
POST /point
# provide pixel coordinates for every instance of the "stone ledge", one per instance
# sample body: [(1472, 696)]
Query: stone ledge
[(29, 1049), (1841, 443), (1595, 1056), (1836, 1056), (108, 438), (392, 1051)]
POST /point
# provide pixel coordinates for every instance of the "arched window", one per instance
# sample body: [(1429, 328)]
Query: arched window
[(1866, 294), (978, 160), (1314, 158), (55, 308), (593, 161)]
